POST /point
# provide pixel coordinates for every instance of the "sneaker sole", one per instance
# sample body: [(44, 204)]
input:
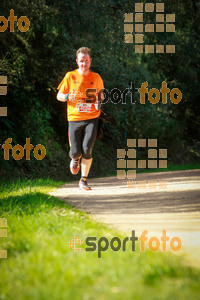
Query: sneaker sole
[(85, 189)]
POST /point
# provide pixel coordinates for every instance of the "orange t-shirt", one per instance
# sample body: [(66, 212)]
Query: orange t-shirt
[(76, 84)]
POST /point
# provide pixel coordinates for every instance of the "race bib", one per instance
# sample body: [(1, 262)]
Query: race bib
[(84, 107)]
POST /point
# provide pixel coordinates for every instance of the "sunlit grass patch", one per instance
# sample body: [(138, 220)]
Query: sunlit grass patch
[(40, 264)]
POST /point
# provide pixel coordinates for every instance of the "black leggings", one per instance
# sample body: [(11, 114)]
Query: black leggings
[(82, 135)]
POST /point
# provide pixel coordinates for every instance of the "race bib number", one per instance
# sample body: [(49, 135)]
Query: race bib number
[(84, 107)]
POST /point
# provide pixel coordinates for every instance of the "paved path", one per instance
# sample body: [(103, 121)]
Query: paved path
[(175, 208)]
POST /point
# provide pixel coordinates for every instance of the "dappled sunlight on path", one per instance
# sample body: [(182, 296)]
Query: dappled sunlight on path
[(175, 209)]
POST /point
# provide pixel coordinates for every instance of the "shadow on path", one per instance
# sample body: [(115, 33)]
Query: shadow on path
[(175, 207)]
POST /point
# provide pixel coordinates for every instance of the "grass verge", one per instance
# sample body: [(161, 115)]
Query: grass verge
[(40, 264), (172, 168)]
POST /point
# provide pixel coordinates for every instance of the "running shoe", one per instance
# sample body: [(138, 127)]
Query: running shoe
[(83, 185), (74, 166)]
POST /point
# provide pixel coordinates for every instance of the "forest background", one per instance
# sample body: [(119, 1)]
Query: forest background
[(35, 62)]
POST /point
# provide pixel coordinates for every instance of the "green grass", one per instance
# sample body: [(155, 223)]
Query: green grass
[(173, 168), (168, 169), (40, 264)]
